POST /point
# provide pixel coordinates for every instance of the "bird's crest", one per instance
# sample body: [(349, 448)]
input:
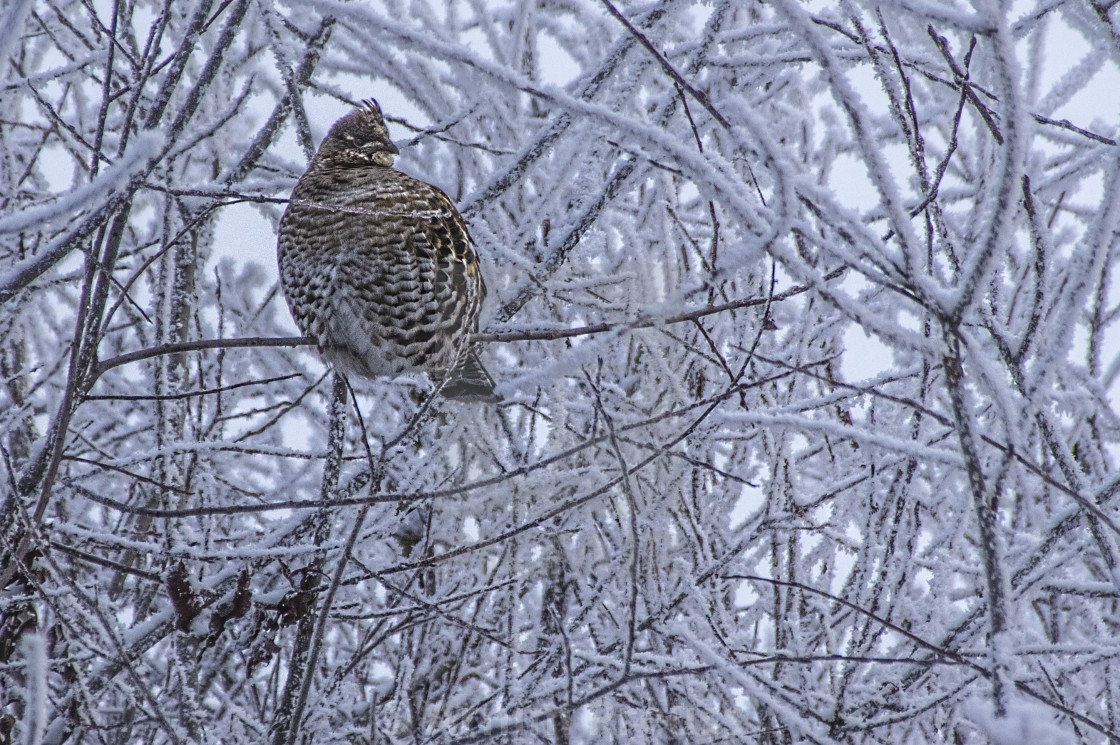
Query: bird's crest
[(359, 138)]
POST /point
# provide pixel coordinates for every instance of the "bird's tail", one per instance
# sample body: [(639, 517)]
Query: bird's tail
[(469, 381)]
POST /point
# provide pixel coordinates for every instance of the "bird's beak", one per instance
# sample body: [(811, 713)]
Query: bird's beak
[(393, 149)]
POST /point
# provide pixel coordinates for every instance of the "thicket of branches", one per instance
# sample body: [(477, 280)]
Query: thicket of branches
[(707, 510)]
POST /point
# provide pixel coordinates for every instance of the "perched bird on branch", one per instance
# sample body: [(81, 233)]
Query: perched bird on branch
[(378, 268)]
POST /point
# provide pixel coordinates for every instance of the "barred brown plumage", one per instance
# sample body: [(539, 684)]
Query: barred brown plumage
[(378, 267)]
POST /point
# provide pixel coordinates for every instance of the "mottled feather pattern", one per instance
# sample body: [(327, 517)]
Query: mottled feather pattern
[(378, 267)]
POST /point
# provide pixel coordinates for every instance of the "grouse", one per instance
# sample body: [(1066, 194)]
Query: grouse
[(378, 267)]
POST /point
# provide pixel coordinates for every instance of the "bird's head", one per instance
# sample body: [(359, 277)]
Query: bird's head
[(358, 139)]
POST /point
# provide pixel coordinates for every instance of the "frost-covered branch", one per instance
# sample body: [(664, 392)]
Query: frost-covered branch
[(803, 321)]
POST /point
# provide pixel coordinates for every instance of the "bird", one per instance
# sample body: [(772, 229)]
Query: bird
[(378, 268)]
